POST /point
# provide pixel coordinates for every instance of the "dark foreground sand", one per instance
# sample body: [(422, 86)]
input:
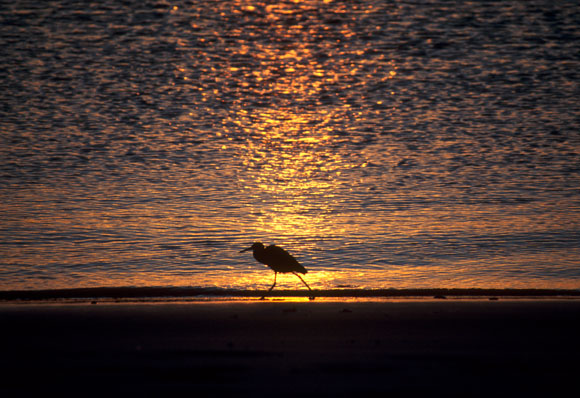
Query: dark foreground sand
[(516, 348)]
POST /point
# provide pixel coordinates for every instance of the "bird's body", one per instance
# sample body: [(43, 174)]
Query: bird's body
[(278, 259)]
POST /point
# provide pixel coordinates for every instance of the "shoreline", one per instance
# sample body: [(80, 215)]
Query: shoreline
[(193, 293)]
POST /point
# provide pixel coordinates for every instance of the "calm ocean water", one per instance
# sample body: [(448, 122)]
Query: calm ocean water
[(385, 144)]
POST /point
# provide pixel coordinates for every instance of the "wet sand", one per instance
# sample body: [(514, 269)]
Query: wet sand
[(286, 348)]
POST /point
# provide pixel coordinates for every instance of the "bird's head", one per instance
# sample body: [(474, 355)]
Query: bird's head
[(255, 246)]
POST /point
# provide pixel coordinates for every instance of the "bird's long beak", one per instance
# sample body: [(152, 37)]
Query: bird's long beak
[(245, 250)]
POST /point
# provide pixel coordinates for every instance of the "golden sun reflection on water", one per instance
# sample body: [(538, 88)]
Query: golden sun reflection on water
[(261, 277), (292, 168), (290, 149), (291, 171)]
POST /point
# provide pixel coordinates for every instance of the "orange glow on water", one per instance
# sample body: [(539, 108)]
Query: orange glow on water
[(288, 160), (374, 147), (289, 156)]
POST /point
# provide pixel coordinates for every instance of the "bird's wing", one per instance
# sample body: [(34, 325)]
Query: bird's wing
[(282, 261)]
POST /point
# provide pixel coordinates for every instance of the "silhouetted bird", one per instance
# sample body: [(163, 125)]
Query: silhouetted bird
[(279, 260)]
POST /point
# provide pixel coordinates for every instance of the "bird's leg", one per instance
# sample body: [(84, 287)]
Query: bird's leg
[(303, 281), (272, 287)]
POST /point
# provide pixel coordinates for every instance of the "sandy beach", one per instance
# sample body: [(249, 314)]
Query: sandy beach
[(292, 348)]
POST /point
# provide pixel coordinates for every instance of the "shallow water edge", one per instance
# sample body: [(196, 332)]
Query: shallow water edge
[(151, 294)]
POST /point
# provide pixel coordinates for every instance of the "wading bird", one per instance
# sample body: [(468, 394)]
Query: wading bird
[(279, 260)]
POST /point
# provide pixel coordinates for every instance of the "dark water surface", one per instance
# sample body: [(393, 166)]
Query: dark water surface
[(385, 144)]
